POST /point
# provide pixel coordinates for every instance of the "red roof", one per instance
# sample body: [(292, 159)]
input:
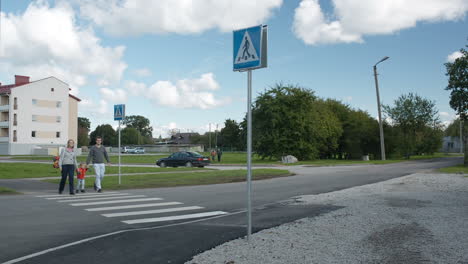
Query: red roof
[(74, 97), (7, 88)]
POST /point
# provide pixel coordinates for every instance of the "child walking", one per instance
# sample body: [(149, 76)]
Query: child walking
[(81, 173)]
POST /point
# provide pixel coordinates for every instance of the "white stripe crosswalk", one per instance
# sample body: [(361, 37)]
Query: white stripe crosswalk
[(117, 201), (128, 202), (78, 197), (62, 195), (103, 198), (172, 218), (159, 211), (131, 206)]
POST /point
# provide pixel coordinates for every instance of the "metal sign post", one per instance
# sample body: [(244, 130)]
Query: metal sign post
[(119, 114), (119, 152), (250, 52), (249, 154)]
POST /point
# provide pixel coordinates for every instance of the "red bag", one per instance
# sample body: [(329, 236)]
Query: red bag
[(56, 162)]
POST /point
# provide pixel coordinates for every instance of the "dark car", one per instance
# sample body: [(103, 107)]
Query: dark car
[(184, 158)]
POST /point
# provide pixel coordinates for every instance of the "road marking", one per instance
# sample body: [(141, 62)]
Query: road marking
[(158, 211), (59, 195), (171, 218), (131, 206), (103, 198), (117, 201), (39, 253), (86, 196)]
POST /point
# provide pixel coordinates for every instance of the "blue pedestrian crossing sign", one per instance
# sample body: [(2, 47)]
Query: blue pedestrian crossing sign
[(250, 48), (119, 112)]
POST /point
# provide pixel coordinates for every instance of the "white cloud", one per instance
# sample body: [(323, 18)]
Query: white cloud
[(310, 26), (187, 93), (99, 113), (135, 88), (144, 72), (444, 114), (352, 19), (116, 96), (45, 41), (452, 57), (103, 82), (134, 17), (163, 130), (89, 106)]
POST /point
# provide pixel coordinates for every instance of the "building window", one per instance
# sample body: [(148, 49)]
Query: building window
[(33, 133), (57, 134), (59, 104), (51, 89), (15, 103), (14, 136), (15, 122), (34, 101), (34, 118), (58, 119)]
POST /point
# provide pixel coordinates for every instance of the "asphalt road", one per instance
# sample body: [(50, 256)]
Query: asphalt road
[(32, 224)]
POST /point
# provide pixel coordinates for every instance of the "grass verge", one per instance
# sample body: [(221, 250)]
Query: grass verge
[(5, 191), (136, 159), (240, 158), (31, 170), (455, 169), (184, 179)]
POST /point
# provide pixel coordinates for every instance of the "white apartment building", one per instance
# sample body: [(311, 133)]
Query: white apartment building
[(36, 116)]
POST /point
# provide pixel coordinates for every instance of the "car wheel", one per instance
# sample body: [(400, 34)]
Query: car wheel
[(188, 164), (163, 164), (201, 166)]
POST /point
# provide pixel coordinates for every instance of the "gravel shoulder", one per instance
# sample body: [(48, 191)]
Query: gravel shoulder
[(420, 218)]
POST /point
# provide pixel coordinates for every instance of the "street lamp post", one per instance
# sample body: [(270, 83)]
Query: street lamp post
[(382, 141), (209, 139)]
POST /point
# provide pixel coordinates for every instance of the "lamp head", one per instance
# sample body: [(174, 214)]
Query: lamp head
[(384, 58)]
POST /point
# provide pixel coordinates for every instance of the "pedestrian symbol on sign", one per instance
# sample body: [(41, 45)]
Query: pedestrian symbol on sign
[(247, 53), (119, 112)]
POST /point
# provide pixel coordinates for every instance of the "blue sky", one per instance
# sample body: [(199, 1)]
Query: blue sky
[(171, 61)]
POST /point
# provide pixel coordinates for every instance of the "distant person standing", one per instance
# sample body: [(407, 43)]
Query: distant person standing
[(67, 165), (97, 154), (213, 154), (219, 152)]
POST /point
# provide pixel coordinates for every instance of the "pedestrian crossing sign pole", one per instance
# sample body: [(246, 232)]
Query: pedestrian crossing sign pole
[(250, 53), (119, 114)]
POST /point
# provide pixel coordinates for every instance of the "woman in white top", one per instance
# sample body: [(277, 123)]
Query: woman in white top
[(68, 165)]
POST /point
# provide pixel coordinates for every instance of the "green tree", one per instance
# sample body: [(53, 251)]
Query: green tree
[(288, 120), (458, 87), (83, 130), (230, 135), (130, 136), (142, 124), (360, 131), (416, 118), (108, 134), (453, 129), (203, 139), (84, 122)]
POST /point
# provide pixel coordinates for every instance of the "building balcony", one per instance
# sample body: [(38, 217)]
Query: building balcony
[(4, 123), (4, 108), (4, 139)]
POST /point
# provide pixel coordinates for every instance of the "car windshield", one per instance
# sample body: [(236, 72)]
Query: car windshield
[(195, 154)]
